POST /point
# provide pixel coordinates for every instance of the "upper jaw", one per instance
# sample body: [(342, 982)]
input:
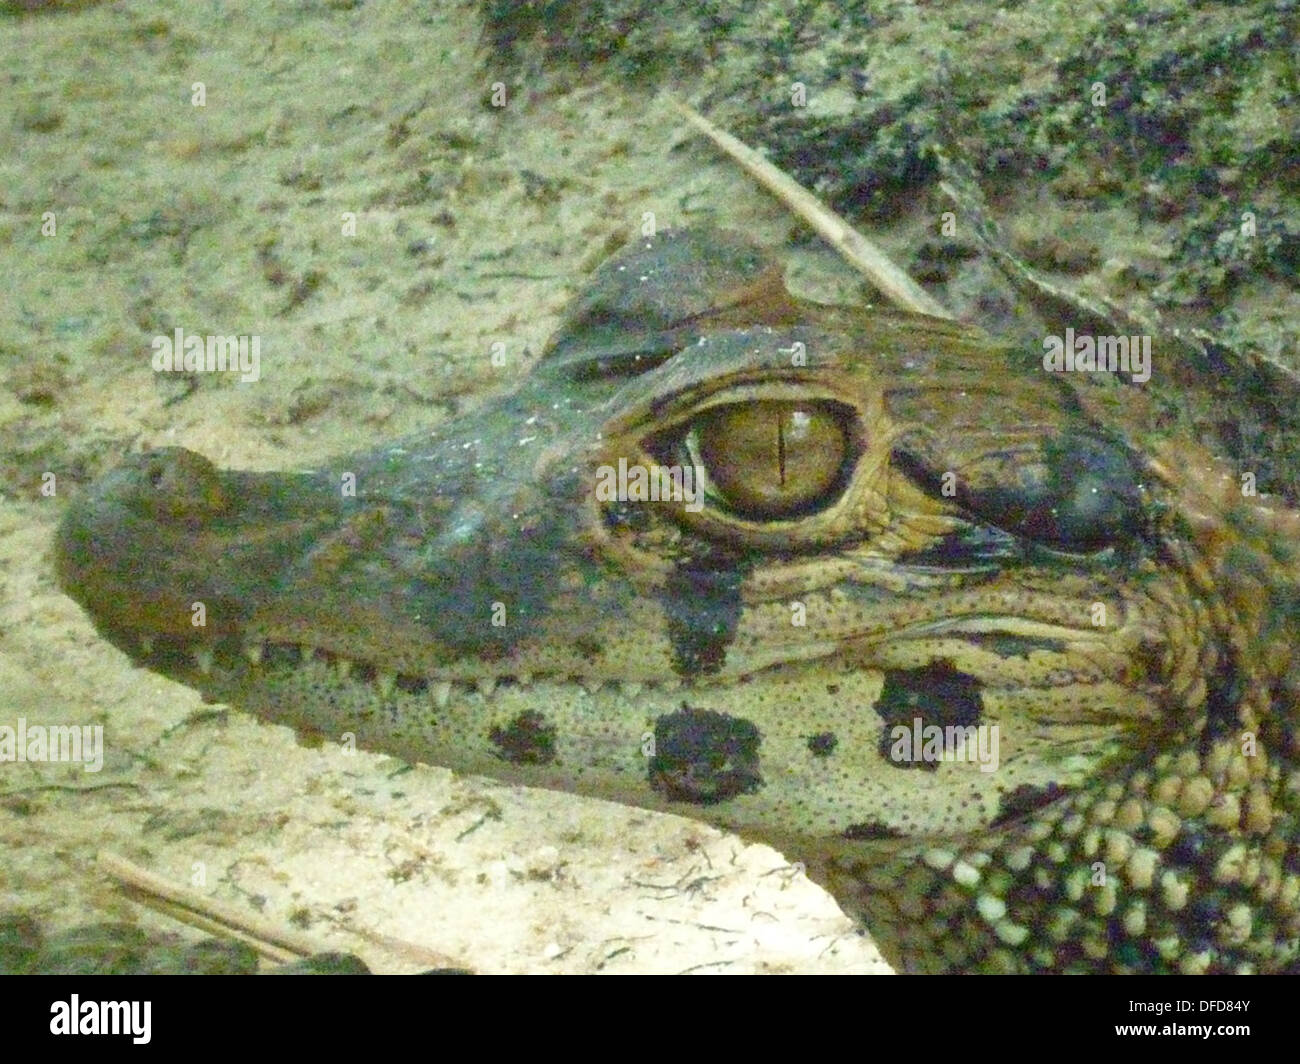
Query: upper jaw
[(167, 547), (182, 565)]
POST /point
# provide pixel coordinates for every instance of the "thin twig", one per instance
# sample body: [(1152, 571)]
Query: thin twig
[(855, 248), (70, 788), (188, 906), (270, 940)]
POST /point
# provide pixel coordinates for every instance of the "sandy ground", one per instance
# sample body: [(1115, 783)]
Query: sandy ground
[(473, 224)]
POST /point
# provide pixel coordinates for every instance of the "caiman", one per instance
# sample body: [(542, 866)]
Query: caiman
[(1003, 658)]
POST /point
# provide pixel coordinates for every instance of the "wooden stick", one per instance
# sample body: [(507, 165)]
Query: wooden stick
[(190, 907), (855, 248), (271, 941)]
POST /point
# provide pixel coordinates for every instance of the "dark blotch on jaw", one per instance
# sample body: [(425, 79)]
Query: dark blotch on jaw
[(703, 757), (526, 740), (1025, 799), (938, 694), (702, 601), (870, 829), (822, 744)]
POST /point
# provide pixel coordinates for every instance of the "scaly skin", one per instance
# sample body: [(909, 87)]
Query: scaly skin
[(903, 520)]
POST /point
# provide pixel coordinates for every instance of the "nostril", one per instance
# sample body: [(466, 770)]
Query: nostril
[(181, 485)]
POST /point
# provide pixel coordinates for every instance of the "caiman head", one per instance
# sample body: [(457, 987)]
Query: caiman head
[(1007, 667)]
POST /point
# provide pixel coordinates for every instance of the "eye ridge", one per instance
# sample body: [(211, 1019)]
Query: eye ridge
[(1080, 495)]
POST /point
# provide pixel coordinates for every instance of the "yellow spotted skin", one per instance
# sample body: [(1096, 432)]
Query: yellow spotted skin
[(1009, 670), (1111, 880)]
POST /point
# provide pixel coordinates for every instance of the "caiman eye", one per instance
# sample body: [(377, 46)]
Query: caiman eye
[(770, 458)]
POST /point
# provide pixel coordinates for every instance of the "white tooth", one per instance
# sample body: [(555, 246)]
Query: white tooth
[(343, 668), (253, 652), (524, 679), (203, 659), (441, 692), (671, 683), (632, 688), (146, 644), (386, 681), (592, 687), (486, 686)]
